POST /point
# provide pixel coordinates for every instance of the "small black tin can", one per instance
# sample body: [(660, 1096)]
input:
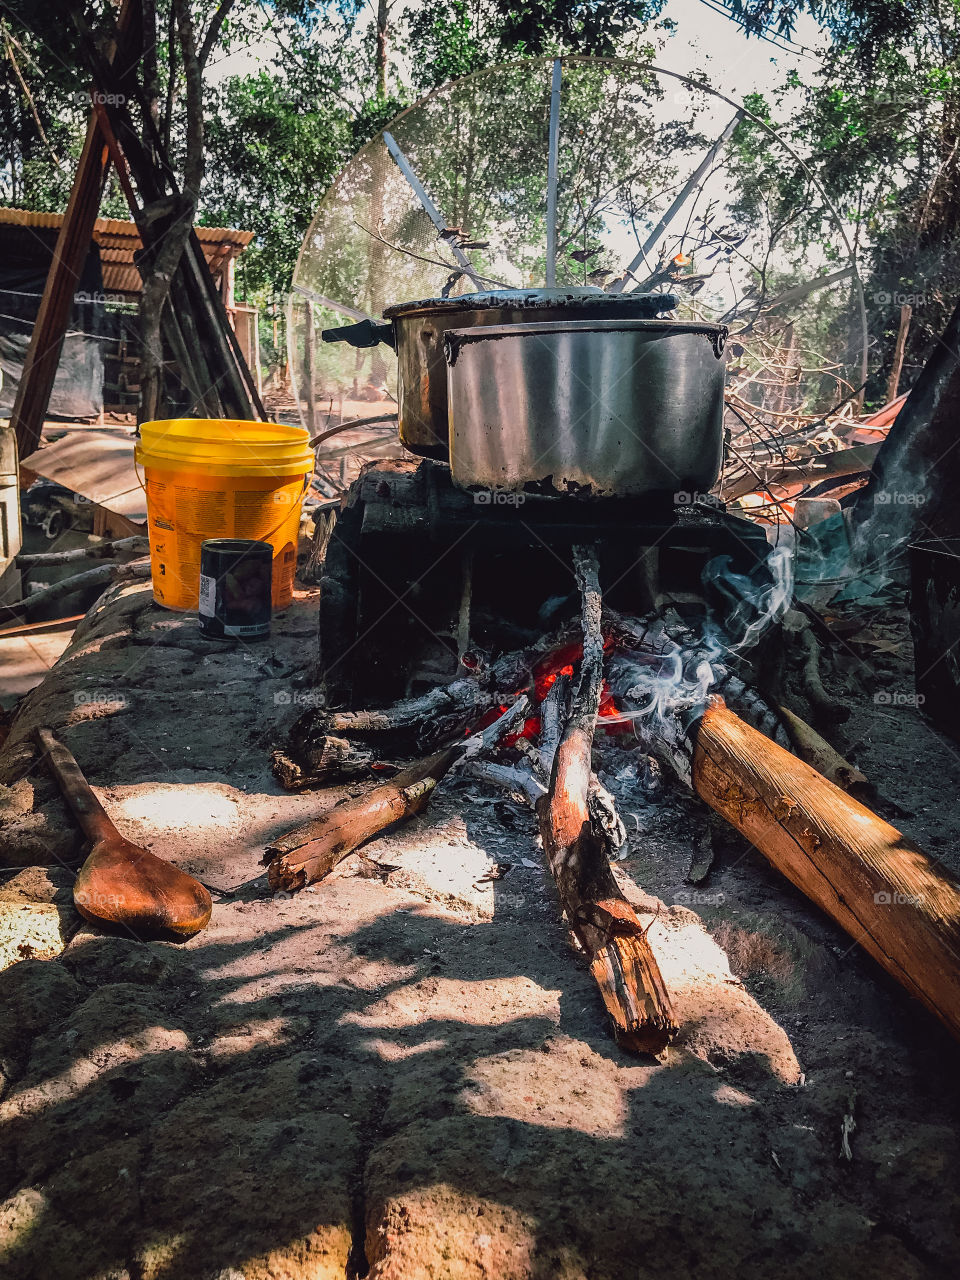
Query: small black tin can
[(236, 584)]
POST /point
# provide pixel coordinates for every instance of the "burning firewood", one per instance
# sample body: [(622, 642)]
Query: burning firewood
[(318, 752), (310, 852), (868, 877), (604, 923)]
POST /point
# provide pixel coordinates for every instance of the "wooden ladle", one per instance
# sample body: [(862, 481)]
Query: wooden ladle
[(121, 883)]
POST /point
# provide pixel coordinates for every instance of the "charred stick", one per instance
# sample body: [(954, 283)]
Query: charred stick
[(825, 709), (552, 715), (604, 923), (521, 782), (332, 760)]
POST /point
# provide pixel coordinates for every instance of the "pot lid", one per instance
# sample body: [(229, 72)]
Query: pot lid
[(538, 300)]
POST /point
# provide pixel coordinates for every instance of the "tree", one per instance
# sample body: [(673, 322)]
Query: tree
[(880, 122)]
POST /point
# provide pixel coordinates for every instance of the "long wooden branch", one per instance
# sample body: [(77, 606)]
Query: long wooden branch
[(604, 923)]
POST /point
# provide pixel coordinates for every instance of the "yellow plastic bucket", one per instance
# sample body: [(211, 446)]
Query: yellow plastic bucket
[(221, 478)]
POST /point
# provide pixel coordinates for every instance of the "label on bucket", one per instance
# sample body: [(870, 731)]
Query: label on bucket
[(208, 595), (184, 510)]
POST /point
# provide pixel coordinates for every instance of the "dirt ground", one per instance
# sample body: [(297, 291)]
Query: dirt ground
[(405, 1072)]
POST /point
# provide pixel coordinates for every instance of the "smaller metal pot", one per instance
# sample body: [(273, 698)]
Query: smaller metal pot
[(598, 407)]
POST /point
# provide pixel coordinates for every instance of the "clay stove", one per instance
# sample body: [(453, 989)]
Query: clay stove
[(423, 579)]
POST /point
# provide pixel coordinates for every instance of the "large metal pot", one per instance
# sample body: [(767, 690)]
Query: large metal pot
[(592, 406), (416, 331)]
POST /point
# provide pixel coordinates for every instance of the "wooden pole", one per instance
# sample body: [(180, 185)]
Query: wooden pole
[(309, 360), (878, 886), (63, 279), (896, 369)]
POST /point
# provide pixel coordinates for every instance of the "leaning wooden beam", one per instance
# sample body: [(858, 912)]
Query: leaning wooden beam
[(876, 884), (605, 924), (103, 575), (63, 278)]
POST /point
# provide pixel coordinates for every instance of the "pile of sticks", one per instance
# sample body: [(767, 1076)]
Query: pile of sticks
[(846, 859)]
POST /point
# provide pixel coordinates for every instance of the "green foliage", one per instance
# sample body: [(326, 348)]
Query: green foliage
[(270, 154), (452, 38)]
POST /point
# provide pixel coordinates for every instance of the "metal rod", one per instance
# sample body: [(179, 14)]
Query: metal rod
[(323, 301), (431, 210), (553, 161), (705, 164)]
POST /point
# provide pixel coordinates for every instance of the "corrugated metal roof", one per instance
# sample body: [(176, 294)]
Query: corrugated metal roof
[(119, 240), (118, 227)]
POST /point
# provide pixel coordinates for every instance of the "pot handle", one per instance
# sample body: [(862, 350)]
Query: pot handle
[(720, 341), (366, 333)]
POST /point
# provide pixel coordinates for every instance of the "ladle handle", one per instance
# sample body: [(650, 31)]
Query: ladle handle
[(87, 809)]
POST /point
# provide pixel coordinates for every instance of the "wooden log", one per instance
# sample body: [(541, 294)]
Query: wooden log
[(309, 853), (876, 884), (606, 926)]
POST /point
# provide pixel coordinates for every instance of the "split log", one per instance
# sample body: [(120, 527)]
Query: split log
[(605, 924), (878, 886), (311, 851)]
